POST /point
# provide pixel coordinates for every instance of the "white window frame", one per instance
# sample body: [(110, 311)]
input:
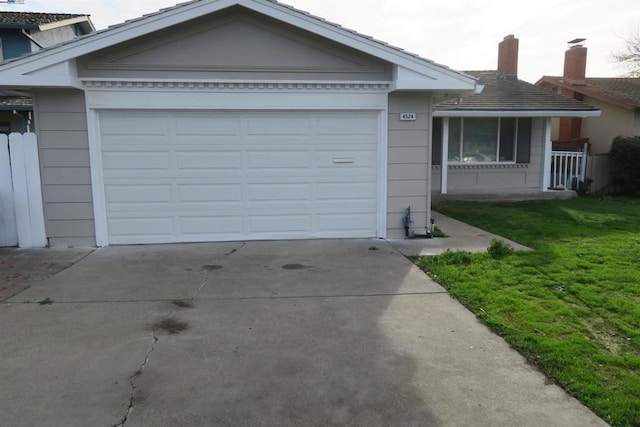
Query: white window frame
[(461, 142)]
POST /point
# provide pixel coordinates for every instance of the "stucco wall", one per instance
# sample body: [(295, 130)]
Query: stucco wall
[(613, 121), (234, 45), (53, 36), (407, 162), (498, 178), (64, 162)]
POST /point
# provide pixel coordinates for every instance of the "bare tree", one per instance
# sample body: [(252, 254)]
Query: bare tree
[(630, 55)]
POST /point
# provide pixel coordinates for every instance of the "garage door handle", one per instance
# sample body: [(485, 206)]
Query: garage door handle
[(343, 160)]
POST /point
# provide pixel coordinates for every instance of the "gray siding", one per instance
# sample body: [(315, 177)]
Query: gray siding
[(234, 46), (64, 162), (407, 162), (499, 178)]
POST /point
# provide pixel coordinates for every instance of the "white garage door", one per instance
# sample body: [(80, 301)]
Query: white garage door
[(216, 176)]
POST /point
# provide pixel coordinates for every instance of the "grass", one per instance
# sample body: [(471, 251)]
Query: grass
[(571, 306)]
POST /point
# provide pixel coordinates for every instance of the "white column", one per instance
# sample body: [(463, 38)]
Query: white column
[(546, 155), (444, 165), (429, 161)]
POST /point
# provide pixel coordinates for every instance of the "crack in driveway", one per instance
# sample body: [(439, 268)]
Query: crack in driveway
[(133, 377), (203, 282)]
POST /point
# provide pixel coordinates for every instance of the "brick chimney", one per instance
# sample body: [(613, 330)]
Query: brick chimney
[(575, 63), (508, 58)]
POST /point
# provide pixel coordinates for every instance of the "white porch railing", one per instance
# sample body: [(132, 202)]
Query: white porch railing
[(567, 169)]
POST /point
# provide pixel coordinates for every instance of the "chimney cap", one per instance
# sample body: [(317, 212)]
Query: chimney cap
[(576, 42)]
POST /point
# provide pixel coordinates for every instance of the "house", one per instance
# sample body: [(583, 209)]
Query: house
[(22, 33), (231, 120), (497, 142), (617, 98)]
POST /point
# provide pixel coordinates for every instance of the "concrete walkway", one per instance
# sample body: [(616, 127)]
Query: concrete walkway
[(287, 333), (461, 237)]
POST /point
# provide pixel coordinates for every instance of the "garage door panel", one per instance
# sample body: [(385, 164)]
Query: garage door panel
[(207, 125), (347, 159), (356, 222), (269, 125), (281, 223), (346, 190), (134, 125), (240, 175), (137, 194), (347, 125), (210, 225), (190, 193), (209, 160), (278, 159), (140, 226), (136, 160)]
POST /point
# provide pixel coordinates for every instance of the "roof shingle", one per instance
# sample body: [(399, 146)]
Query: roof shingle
[(621, 89), (511, 95), (32, 19)]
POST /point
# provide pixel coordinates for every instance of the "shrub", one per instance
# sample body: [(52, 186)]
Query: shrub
[(625, 153), (498, 249)]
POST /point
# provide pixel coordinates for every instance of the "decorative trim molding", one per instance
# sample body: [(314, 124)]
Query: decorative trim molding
[(234, 68), (235, 86), (491, 166)]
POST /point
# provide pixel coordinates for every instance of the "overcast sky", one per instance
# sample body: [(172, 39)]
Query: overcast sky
[(461, 34)]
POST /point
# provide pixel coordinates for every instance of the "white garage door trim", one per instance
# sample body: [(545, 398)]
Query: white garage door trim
[(153, 94)]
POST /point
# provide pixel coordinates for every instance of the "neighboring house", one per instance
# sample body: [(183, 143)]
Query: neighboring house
[(617, 98), (498, 142), (22, 33), (232, 120)]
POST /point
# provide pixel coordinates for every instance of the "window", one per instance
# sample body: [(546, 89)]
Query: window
[(484, 140)]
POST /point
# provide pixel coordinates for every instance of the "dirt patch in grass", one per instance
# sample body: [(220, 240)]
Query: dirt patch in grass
[(170, 325)]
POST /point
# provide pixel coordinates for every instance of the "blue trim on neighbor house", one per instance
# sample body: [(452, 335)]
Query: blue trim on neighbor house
[(14, 44)]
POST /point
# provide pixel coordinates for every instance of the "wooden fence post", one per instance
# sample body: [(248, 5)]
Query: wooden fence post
[(25, 171)]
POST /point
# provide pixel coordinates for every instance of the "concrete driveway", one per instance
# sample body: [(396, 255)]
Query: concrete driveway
[(325, 332)]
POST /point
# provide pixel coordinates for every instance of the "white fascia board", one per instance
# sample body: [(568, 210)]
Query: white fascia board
[(30, 82), (189, 11), (405, 79), (65, 22), (515, 113)]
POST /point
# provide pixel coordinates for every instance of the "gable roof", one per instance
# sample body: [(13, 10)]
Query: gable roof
[(414, 72), (43, 21), (621, 91), (513, 97)]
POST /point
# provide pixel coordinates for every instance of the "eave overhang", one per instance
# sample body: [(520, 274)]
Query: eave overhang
[(412, 73)]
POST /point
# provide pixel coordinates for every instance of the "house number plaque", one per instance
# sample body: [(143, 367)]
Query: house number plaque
[(408, 117)]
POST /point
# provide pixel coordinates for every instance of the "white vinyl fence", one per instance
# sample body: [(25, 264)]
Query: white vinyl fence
[(21, 213), (567, 169)]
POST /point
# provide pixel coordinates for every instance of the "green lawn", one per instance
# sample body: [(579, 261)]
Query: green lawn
[(572, 306)]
